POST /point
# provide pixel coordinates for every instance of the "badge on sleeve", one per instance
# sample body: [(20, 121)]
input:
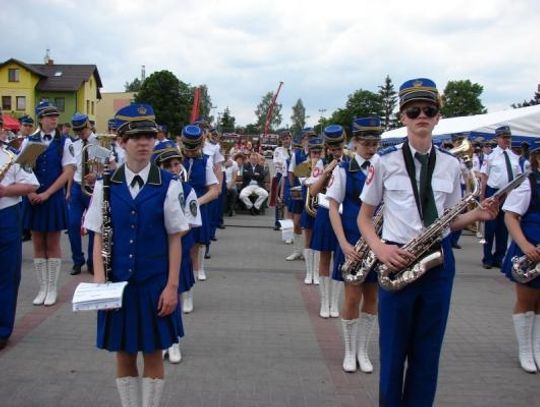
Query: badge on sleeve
[(182, 200), (316, 172), (193, 208), (370, 174), (71, 150)]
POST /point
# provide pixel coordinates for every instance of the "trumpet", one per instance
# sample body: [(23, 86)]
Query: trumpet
[(92, 161)]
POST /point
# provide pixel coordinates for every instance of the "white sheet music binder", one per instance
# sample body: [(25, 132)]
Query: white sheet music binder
[(92, 296)]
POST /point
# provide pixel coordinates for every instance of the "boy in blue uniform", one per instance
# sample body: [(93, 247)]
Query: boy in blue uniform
[(415, 191), (148, 222)]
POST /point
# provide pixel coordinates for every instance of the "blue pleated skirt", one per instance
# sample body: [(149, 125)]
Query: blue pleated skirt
[(50, 216), (323, 239), (201, 235), (136, 326), (506, 268), (306, 221), (187, 278)]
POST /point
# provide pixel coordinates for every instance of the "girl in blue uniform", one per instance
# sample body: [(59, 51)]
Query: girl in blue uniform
[(347, 183), (14, 183), (522, 218), (45, 211), (324, 239), (200, 175), (148, 222)]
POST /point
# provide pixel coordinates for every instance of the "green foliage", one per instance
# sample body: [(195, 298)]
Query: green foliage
[(361, 103), (251, 128), (262, 111), (133, 86), (171, 99), (389, 103), (298, 117), (462, 98), (227, 122), (534, 101)]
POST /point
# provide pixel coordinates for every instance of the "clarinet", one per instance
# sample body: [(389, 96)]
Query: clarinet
[(106, 227)]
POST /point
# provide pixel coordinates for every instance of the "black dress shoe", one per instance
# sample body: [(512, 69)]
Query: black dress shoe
[(213, 239), (221, 227), (76, 270), (252, 211), (456, 246), (277, 228), (3, 343), (486, 265)]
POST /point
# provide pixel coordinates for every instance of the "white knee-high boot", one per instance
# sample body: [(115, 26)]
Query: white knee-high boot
[(365, 327), (128, 389), (53, 272), (40, 267), (201, 274), (523, 325), (187, 301), (536, 340), (324, 290), (297, 251), (309, 266), (335, 292), (316, 259), (152, 389), (350, 333)]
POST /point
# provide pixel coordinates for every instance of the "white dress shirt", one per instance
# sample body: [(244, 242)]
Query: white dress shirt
[(495, 167), (16, 175), (281, 155), (338, 182), (519, 199)]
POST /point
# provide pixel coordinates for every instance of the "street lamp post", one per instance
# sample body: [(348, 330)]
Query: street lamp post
[(321, 119)]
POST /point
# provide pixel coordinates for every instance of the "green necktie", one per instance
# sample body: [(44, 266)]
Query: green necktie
[(509, 172), (429, 210)]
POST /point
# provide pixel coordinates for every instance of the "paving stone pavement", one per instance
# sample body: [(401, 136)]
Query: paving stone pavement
[(255, 339)]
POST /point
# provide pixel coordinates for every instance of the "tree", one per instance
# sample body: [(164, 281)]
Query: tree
[(170, 97), (262, 110), (534, 101), (298, 117), (389, 102), (462, 98), (226, 124), (133, 86), (362, 103), (251, 128)]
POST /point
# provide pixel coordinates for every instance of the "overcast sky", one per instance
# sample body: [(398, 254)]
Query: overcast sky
[(322, 51)]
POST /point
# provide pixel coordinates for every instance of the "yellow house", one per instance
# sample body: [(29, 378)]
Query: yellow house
[(109, 104), (71, 88)]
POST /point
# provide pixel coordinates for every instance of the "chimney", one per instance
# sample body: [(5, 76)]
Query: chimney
[(47, 59)]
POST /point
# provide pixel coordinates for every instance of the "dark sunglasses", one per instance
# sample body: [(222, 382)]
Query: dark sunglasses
[(414, 112)]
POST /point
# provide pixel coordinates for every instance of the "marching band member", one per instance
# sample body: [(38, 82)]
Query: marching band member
[(412, 320), (498, 169), (201, 177), (45, 212), (315, 149), (168, 157), (212, 149), (78, 201), (14, 183), (295, 205), (348, 180), (117, 151), (324, 239), (522, 217), (282, 153), (148, 222)]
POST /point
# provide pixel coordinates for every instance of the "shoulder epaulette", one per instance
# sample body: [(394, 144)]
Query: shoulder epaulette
[(73, 138), (442, 150), (387, 150)]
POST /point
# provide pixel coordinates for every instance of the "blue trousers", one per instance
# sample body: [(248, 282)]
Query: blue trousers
[(78, 203), (495, 230), (412, 322), (277, 211), (10, 272)]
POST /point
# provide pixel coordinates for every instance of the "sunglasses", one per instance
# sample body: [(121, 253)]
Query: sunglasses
[(414, 112)]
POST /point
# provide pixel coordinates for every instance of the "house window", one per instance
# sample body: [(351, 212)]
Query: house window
[(13, 75), (87, 107), (60, 104), (6, 102), (92, 108), (21, 103)]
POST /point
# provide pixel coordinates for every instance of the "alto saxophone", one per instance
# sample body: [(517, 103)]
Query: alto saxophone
[(312, 201), (420, 246), (524, 269), (355, 271)]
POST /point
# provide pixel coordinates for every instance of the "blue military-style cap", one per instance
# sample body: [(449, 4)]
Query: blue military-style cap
[(165, 150), (136, 118), (192, 136), (26, 120), (162, 128), (79, 121), (367, 127), (113, 124), (334, 135), (308, 132), (420, 89), (503, 131), (46, 109), (315, 144)]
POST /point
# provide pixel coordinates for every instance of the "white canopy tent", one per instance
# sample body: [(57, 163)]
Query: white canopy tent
[(524, 121)]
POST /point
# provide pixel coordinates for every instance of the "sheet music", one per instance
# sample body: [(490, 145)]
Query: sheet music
[(92, 296)]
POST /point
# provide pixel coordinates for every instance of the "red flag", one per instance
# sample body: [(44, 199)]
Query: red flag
[(195, 108)]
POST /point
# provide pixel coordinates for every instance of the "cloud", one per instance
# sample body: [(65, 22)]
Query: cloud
[(323, 51)]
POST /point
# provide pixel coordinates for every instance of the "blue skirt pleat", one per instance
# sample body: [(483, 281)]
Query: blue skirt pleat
[(50, 216), (306, 221), (201, 235), (323, 239)]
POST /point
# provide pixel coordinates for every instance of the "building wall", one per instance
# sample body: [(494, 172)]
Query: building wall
[(87, 98), (109, 104), (70, 105), (24, 87)]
